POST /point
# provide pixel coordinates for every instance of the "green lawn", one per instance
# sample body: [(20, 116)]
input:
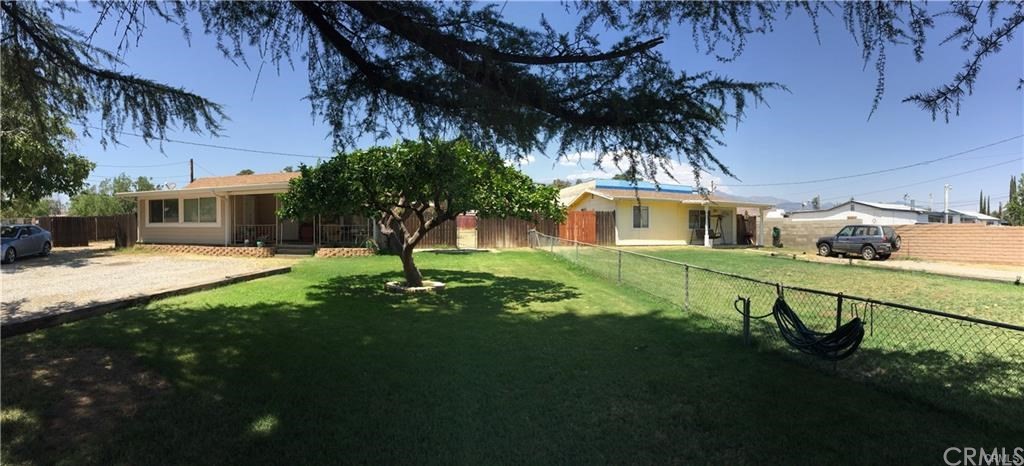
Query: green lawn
[(524, 359)]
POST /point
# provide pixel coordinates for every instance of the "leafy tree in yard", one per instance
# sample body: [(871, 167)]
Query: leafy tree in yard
[(431, 180), (142, 183), (36, 161), (1014, 209), (18, 208), (379, 67), (100, 200), (244, 171)]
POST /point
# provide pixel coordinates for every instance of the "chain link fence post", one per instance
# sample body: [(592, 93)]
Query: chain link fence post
[(620, 266), (839, 311), (686, 287), (746, 321)]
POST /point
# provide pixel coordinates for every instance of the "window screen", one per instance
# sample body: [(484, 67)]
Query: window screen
[(641, 216)]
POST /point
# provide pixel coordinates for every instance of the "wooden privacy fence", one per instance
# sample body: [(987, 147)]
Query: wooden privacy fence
[(496, 233), (605, 226), (78, 231), (126, 230), (579, 226), (68, 231), (442, 235), (500, 233)]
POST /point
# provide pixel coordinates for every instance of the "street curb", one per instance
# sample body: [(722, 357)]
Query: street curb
[(11, 329)]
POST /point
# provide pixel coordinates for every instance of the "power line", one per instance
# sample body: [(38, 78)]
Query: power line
[(214, 146), (885, 170), (204, 169), (1005, 162), (143, 166)]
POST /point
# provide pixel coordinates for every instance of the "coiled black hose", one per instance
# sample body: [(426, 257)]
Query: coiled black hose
[(833, 346)]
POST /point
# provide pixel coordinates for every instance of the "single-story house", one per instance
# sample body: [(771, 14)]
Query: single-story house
[(237, 210), (872, 213), (650, 215), (967, 216)]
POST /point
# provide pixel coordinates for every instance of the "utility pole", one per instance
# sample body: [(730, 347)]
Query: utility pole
[(946, 188), (931, 202), (191, 171)]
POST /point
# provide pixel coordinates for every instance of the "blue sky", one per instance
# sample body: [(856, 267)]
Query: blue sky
[(818, 130)]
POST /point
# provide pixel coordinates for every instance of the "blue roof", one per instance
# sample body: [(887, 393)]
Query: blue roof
[(644, 186)]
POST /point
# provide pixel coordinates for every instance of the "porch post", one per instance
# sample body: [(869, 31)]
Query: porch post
[(277, 232), (760, 226), (226, 219), (707, 225)]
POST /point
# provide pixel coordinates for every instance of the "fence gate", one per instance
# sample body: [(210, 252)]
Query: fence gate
[(467, 232), (70, 231), (580, 226)]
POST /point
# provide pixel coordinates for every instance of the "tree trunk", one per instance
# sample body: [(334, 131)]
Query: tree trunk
[(412, 274), (393, 239)]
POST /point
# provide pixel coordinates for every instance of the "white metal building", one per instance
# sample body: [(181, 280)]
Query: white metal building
[(875, 213)]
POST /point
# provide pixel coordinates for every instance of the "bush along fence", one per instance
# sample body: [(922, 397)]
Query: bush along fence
[(953, 362)]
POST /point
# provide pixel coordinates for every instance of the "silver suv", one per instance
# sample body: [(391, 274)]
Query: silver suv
[(869, 241)]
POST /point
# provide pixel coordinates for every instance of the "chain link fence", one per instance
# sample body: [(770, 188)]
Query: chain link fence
[(961, 363)]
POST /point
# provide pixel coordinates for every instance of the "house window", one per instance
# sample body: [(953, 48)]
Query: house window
[(641, 217), (163, 211), (698, 218), (201, 210)]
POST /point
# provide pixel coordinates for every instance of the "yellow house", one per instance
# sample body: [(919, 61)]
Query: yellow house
[(649, 215)]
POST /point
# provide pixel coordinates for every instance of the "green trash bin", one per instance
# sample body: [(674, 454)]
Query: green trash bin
[(777, 237)]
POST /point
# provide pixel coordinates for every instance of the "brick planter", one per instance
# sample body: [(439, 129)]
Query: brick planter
[(209, 250), (343, 252)]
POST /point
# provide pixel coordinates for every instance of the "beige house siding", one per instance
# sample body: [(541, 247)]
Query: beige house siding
[(182, 233), (591, 202), (667, 224)]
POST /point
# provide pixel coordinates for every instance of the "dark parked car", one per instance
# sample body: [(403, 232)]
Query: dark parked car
[(24, 240), (870, 241)]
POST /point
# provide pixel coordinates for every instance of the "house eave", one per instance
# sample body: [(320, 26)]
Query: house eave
[(266, 188)]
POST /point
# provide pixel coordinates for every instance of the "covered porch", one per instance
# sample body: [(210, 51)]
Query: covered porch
[(254, 219), (724, 223)]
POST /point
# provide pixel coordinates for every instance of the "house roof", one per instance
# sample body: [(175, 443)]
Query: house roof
[(240, 184), (977, 215), (877, 205), (621, 189), (242, 180)]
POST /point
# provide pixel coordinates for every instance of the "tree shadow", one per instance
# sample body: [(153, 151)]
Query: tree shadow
[(496, 369), (479, 292), (70, 258)]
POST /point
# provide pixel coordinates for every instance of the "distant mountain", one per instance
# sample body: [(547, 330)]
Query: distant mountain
[(780, 203)]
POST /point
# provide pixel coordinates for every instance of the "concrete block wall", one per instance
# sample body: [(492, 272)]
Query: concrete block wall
[(209, 250), (965, 242), (803, 234), (343, 252)]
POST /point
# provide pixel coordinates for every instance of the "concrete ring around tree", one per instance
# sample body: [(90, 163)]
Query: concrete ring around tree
[(429, 286)]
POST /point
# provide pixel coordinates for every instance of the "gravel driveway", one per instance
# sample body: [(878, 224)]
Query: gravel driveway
[(73, 277)]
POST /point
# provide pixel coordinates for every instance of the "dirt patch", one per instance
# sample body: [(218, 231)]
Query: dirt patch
[(91, 391)]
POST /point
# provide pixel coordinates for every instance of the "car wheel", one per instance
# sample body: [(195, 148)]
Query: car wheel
[(824, 250), (897, 243), (46, 249), (10, 256), (868, 253)]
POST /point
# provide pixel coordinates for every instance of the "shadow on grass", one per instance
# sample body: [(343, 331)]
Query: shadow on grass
[(496, 369)]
